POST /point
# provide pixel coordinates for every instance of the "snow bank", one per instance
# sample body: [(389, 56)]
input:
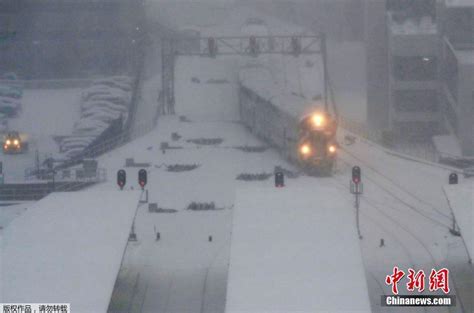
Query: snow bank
[(67, 248), (288, 255)]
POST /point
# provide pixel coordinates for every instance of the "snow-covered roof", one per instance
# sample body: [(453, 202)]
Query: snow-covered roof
[(67, 248), (461, 201), (459, 3), (288, 255)]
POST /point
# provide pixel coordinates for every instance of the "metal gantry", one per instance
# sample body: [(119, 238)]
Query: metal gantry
[(233, 45)]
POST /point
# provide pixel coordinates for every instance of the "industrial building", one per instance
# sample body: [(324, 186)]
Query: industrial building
[(420, 57)]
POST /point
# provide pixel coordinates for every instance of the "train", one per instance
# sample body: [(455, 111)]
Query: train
[(302, 130), (13, 143), (283, 100)]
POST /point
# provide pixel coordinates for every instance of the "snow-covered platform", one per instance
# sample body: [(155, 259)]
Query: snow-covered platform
[(295, 250), (67, 248), (461, 201)]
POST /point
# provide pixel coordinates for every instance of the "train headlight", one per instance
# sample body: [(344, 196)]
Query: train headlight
[(5, 147), (318, 120), (16, 142), (8, 142), (305, 149), (332, 149)]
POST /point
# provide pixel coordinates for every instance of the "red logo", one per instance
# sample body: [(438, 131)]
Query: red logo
[(394, 279), (416, 280), (438, 280)]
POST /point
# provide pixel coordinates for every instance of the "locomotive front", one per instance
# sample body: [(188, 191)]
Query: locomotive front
[(317, 147), (13, 143)]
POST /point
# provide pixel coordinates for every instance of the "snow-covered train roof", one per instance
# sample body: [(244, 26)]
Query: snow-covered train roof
[(287, 255), (294, 85)]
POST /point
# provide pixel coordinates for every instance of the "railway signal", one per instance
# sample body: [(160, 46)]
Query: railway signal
[(142, 178), (357, 188), (212, 47), (121, 178), (279, 179), (356, 175), (453, 179)]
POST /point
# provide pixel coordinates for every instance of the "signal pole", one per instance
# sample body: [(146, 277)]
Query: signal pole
[(213, 47), (357, 189)]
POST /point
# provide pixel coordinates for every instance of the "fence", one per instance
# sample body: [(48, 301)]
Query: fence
[(50, 83), (37, 191)]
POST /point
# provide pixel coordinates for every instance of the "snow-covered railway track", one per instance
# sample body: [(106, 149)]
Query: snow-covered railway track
[(393, 224), (376, 176)]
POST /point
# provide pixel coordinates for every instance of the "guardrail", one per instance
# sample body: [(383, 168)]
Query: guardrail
[(37, 191), (50, 83), (57, 181)]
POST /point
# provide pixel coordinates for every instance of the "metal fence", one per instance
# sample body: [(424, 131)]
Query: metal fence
[(37, 191)]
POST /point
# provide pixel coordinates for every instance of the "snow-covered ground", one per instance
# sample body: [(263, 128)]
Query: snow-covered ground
[(11, 211), (45, 113)]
